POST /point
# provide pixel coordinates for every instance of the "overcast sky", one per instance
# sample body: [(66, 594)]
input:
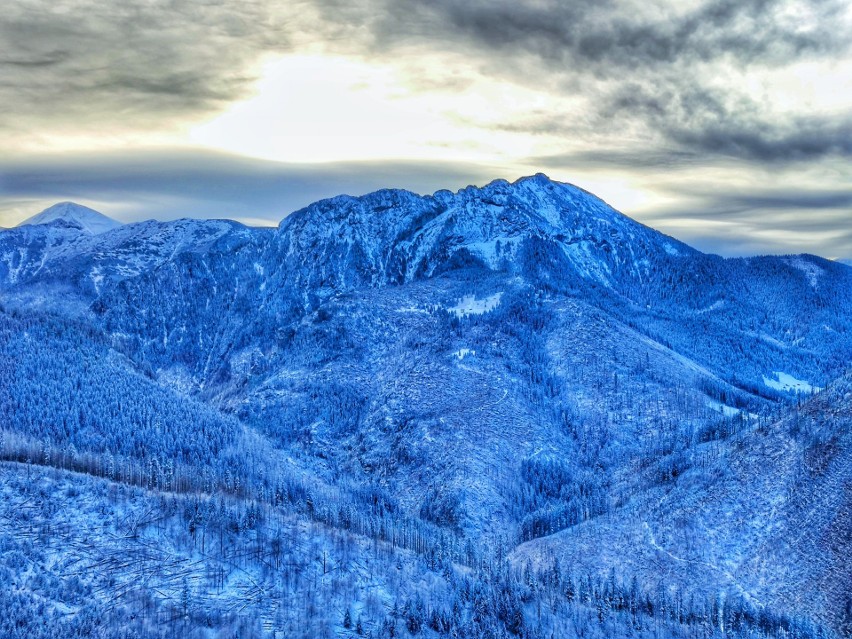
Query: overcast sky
[(726, 123)]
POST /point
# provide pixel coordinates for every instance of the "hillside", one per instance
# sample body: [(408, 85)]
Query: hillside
[(762, 516), (466, 400)]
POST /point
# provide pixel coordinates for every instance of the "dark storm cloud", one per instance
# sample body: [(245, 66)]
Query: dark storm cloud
[(175, 183), (802, 139)]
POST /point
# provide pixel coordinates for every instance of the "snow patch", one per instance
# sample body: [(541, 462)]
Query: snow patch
[(464, 352), (788, 383), (811, 270), (715, 306), (470, 305), (724, 409), (492, 251)]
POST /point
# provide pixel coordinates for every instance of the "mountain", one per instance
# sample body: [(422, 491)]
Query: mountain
[(396, 236), (71, 215), (489, 411), (54, 265), (764, 516)]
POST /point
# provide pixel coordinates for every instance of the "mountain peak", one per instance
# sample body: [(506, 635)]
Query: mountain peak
[(73, 215), (532, 225)]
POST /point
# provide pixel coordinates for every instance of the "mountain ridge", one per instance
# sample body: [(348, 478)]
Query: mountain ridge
[(509, 368)]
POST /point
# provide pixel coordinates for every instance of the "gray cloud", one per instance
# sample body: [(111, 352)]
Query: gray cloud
[(787, 204), (171, 183), (638, 66), (616, 34), (127, 64), (801, 139), (637, 160), (737, 221), (95, 64)]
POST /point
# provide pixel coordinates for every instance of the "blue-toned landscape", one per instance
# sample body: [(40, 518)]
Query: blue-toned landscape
[(506, 411), (426, 319)]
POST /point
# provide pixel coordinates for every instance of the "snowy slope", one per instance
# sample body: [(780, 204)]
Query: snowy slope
[(37, 262)]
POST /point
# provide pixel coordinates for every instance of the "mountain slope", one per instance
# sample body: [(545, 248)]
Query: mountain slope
[(397, 236), (514, 371), (58, 267), (762, 517)]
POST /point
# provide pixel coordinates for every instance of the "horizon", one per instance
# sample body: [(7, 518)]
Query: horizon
[(272, 224), (725, 124)]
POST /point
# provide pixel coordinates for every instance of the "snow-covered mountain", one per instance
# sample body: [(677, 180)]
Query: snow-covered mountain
[(397, 236), (487, 376), (71, 215)]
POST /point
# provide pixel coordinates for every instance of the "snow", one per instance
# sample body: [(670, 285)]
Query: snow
[(76, 215), (715, 306), (491, 251), (470, 305), (788, 383), (811, 270), (459, 409), (719, 407)]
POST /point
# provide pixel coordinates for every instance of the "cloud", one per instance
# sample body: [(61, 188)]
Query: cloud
[(170, 183), (786, 204), (655, 75), (615, 35), (118, 65), (741, 135), (767, 217)]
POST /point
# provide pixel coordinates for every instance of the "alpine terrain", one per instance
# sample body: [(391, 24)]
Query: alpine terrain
[(509, 411)]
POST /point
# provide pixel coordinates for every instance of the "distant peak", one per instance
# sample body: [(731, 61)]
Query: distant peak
[(73, 215)]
